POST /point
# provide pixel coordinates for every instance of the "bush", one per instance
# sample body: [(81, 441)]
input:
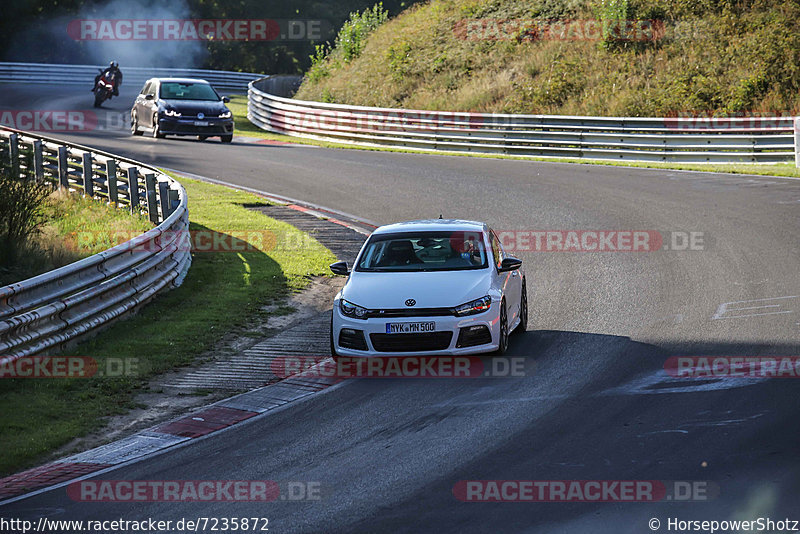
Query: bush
[(612, 15), (319, 66), (349, 42), (353, 36), (22, 201)]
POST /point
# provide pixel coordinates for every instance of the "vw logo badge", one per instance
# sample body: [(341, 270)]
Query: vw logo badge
[(200, 116), (410, 302)]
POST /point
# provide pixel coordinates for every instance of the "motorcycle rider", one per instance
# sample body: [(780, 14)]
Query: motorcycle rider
[(112, 68)]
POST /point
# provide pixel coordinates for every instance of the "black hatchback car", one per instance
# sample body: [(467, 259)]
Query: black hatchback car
[(181, 106)]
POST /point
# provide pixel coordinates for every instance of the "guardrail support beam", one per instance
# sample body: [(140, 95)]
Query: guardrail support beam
[(133, 188), (88, 173), (13, 153), (63, 168), (38, 161), (174, 200), (163, 197), (152, 203), (111, 176)]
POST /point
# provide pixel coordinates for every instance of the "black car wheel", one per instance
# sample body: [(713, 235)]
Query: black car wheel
[(156, 130), (503, 341), (135, 124), (226, 138), (333, 345), (523, 310)]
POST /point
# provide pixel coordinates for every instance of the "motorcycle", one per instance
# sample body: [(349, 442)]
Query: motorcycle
[(104, 88)]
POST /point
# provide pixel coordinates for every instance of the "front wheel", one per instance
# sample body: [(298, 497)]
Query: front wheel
[(135, 125), (156, 130), (503, 334), (523, 310), (97, 99), (334, 355), (226, 138)]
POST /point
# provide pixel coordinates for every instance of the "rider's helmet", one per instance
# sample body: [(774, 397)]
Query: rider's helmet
[(114, 65)]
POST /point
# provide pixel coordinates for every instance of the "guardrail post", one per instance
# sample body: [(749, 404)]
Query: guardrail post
[(38, 160), (111, 176), (152, 203), (88, 173), (13, 152), (63, 168), (797, 142), (163, 197), (174, 200), (133, 188)]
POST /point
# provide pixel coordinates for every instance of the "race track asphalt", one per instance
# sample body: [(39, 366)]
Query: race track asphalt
[(594, 402)]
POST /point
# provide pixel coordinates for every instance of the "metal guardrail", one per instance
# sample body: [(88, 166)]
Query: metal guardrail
[(685, 140), (132, 76), (47, 311)]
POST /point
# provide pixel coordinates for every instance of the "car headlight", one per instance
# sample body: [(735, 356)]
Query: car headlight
[(476, 306), (225, 115), (352, 310), (171, 113)]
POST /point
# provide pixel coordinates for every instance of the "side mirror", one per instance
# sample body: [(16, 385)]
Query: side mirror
[(149, 97), (510, 264), (225, 99), (340, 267)]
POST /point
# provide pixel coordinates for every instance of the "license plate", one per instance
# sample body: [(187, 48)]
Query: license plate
[(201, 123), (410, 328)]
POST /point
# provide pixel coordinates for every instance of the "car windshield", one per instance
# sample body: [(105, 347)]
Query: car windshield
[(424, 251), (187, 91)]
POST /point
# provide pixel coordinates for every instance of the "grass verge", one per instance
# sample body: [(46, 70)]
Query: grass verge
[(222, 293), (62, 238), (244, 127)]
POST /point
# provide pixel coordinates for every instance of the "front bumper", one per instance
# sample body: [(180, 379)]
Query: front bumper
[(444, 324), (181, 126)]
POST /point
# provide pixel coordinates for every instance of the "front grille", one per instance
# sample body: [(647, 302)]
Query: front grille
[(474, 335), (192, 129), (411, 342), (352, 339), (411, 312)]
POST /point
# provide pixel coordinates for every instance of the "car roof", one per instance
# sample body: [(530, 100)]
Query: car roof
[(432, 225), (179, 80)]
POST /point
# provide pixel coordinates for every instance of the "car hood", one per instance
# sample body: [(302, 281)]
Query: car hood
[(207, 107), (430, 289)]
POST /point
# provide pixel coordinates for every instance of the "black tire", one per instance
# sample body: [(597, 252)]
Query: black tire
[(156, 130), (135, 124), (522, 327), (97, 99), (226, 138), (202, 137), (503, 347), (334, 355)]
